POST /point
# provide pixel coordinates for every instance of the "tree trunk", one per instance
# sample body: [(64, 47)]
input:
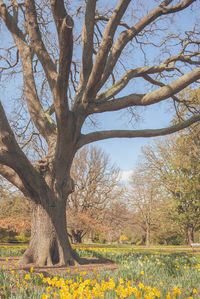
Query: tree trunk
[(148, 236), (189, 235), (143, 241), (77, 236), (49, 242)]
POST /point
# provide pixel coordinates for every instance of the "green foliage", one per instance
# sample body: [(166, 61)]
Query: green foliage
[(176, 240), (174, 163)]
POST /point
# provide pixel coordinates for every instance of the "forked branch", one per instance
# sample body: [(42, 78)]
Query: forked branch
[(153, 97), (101, 57), (40, 119), (129, 34), (13, 157)]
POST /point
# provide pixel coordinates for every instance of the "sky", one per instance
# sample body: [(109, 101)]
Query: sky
[(125, 152)]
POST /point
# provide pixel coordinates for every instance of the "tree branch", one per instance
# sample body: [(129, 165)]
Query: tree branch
[(178, 7), (102, 135), (64, 26), (150, 98), (87, 38), (59, 12), (158, 83), (13, 157), (106, 19), (129, 34), (10, 175), (106, 44), (38, 45), (130, 74), (65, 59), (10, 65), (43, 123)]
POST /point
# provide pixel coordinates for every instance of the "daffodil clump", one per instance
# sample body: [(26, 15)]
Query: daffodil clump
[(92, 288), (138, 276)]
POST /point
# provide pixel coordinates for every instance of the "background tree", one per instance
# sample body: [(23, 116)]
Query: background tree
[(168, 230), (145, 197), (63, 89), (176, 161), (96, 183), (15, 214), (117, 217)]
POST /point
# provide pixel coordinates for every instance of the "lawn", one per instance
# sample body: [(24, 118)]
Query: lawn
[(135, 272)]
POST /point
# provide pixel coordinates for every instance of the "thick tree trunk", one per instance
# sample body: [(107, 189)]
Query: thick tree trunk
[(49, 242)]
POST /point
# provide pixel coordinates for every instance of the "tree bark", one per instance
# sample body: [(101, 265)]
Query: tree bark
[(189, 235), (148, 236), (49, 242)]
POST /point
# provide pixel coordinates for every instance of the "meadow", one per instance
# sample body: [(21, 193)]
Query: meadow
[(171, 272)]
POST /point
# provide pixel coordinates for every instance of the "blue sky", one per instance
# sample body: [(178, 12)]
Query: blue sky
[(125, 152)]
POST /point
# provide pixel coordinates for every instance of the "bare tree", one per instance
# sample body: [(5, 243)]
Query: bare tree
[(117, 217), (95, 188), (76, 93), (145, 198)]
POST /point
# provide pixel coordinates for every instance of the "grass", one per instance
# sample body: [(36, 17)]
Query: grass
[(143, 273), (12, 249)]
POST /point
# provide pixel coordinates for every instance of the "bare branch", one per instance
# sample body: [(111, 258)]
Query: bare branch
[(178, 7), (129, 34), (124, 80), (102, 135), (38, 45), (158, 83), (150, 98), (41, 121), (65, 59), (103, 18), (10, 65), (12, 156), (64, 25), (29, 140), (9, 174), (87, 39), (59, 12), (106, 44)]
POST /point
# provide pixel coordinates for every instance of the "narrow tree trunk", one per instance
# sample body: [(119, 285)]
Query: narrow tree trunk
[(189, 235), (49, 242), (77, 236), (148, 236), (143, 242)]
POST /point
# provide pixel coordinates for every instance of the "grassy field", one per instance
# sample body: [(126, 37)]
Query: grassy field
[(159, 272)]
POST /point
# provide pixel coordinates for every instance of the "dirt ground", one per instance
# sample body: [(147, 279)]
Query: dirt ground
[(90, 265)]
